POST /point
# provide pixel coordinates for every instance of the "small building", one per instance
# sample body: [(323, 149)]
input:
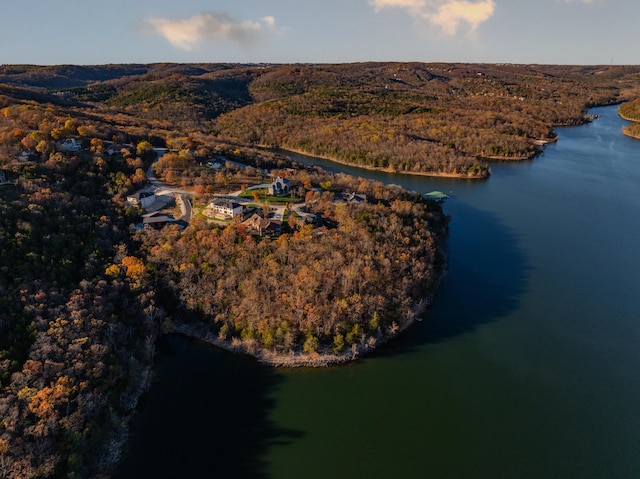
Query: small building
[(118, 149), (354, 198), (28, 155), (142, 198), (69, 145), (437, 196), (224, 209), (156, 222), (280, 187)]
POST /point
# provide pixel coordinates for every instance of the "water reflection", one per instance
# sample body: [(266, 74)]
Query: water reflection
[(488, 273), (207, 417)]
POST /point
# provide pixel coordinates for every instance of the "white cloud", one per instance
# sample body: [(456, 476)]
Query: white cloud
[(189, 33), (449, 15)]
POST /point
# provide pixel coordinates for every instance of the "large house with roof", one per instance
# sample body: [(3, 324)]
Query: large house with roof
[(142, 198), (69, 145), (257, 225), (224, 209), (280, 187)]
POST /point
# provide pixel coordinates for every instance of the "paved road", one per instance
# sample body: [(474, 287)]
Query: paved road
[(160, 189), (185, 206)]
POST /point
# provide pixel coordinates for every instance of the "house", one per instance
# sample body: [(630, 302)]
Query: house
[(114, 149), (224, 209), (69, 145), (257, 225), (142, 198), (28, 155), (156, 222), (354, 198), (280, 187)]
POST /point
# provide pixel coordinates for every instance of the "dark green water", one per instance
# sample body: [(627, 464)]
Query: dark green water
[(528, 365)]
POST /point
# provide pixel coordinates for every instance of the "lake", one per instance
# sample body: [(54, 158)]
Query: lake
[(526, 366)]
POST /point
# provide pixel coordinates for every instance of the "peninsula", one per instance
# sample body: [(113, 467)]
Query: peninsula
[(103, 252), (631, 112)]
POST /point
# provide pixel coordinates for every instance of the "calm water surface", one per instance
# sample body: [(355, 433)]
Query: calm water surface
[(528, 365)]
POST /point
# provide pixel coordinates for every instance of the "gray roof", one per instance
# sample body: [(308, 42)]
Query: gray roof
[(141, 194), (222, 203)]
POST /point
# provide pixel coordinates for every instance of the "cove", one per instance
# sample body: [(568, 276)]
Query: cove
[(527, 365)]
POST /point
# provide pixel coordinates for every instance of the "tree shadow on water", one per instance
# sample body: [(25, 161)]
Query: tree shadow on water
[(206, 415), (487, 274)]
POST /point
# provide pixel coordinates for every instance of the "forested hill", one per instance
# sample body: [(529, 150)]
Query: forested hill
[(438, 119)]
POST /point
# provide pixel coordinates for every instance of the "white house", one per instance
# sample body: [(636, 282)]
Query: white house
[(225, 208), (69, 144), (142, 198)]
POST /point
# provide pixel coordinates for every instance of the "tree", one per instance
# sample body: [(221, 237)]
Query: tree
[(311, 344), (145, 150), (135, 268)]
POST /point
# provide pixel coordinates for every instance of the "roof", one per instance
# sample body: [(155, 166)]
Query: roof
[(113, 148), (435, 195), (355, 197), (156, 219), (222, 203), (261, 225), (141, 194)]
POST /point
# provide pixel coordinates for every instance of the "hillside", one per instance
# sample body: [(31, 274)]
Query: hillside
[(434, 119)]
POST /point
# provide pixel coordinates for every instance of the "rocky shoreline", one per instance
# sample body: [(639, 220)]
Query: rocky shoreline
[(297, 359)]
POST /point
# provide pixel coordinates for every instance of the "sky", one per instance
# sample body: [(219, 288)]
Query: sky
[(89, 32)]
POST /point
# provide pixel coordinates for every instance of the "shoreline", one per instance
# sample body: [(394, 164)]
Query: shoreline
[(322, 359), (625, 131), (384, 170), (292, 359), (637, 120)]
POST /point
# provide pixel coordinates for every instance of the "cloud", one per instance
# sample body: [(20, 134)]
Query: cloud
[(449, 15), (189, 33)]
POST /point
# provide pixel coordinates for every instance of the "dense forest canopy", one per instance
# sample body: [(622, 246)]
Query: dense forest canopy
[(73, 345), (83, 296)]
